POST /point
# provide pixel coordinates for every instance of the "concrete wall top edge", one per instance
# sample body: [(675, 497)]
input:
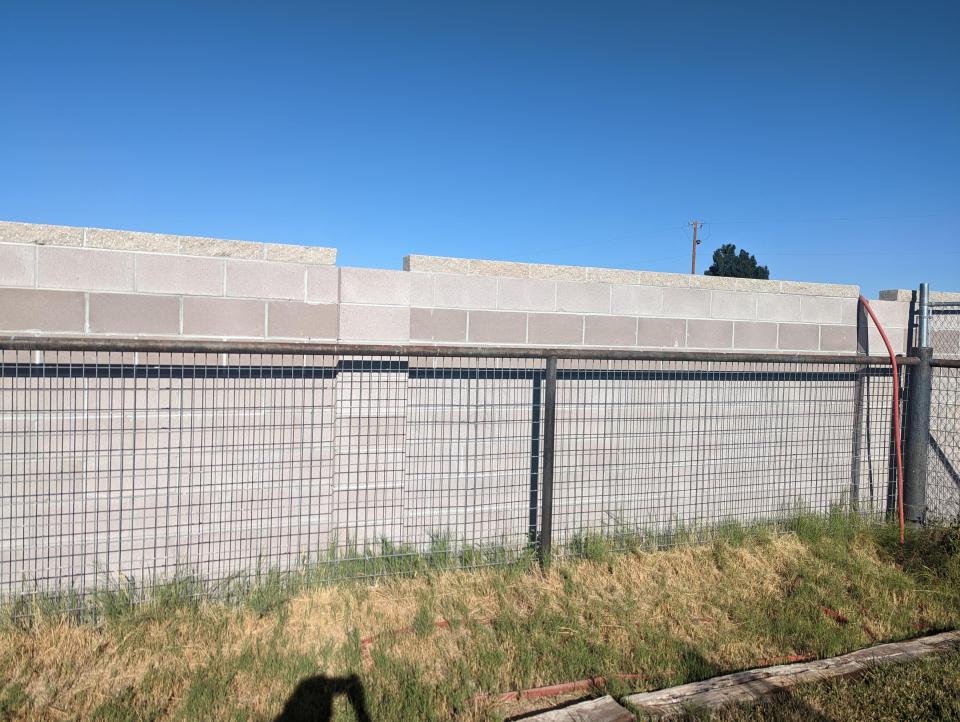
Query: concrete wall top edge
[(904, 294), (513, 269), (119, 240)]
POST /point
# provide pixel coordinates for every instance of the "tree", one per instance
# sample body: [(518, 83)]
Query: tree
[(727, 262)]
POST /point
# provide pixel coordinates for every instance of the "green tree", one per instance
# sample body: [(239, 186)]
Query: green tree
[(727, 262)]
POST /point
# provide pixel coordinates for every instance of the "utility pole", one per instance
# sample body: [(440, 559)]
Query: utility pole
[(696, 242)]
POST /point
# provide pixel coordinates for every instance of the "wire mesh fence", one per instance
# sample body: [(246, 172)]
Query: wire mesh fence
[(126, 470), (943, 458), (944, 324)]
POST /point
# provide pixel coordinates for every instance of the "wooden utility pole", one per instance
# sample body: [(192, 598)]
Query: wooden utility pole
[(696, 242)]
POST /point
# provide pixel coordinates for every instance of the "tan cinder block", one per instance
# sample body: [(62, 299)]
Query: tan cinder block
[(892, 314), (374, 286), (433, 324), (816, 309), (374, 323), (41, 234), (722, 283), (29, 309), (636, 300), (898, 339), (84, 270), (507, 269), (309, 255), (798, 337), (551, 272), (897, 294), (436, 264), (686, 302), (291, 319), (610, 331), (130, 240), (734, 305), (526, 294), (836, 290), (219, 248), (497, 327), (466, 291), (551, 328), (661, 332), (179, 274), (134, 313), (709, 334), (772, 307), (223, 317), (754, 335), (579, 297), (323, 284), (265, 279), (18, 264), (652, 278), (612, 275), (838, 338)]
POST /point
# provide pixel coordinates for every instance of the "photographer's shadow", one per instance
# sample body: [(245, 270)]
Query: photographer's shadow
[(312, 700)]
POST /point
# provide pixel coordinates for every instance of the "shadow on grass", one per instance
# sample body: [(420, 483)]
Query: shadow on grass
[(312, 700)]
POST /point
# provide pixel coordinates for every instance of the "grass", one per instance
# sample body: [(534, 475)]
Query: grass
[(924, 690), (744, 598)]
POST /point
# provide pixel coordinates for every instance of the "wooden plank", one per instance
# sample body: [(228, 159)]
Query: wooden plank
[(603, 709), (751, 685)]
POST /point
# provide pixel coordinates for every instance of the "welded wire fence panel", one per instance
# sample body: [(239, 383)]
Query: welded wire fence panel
[(944, 329), (653, 451), (943, 458), (127, 471)]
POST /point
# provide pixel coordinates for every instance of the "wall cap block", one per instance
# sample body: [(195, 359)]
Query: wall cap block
[(121, 240), (906, 295)]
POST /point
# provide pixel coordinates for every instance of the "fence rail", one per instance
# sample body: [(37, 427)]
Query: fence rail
[(126, 465)]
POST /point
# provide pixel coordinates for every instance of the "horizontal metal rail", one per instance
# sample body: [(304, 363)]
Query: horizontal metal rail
[(133, 345)]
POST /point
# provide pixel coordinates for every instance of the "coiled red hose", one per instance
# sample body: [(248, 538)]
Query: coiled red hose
[(896, 412)]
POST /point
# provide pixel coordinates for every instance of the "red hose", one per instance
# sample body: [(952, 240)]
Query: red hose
[(896, 411)]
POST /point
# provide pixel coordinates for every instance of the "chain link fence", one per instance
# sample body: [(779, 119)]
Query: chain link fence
[(129, 466), (943, 461)]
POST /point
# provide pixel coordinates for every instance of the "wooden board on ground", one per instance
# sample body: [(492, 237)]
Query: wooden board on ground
[(751, 685), (602, 709)]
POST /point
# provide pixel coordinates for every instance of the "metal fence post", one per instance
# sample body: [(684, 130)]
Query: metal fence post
[(917, 426), (549, 430)]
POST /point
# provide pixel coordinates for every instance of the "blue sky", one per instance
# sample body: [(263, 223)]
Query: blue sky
[(824, 137)]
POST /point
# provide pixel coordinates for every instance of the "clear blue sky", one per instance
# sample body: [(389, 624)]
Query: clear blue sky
[(822, 136)]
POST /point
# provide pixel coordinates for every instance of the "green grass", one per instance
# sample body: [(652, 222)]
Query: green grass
[(745, 597)]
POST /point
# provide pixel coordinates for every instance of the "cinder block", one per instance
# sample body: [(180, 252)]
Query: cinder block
[(778, 307), (219, 247), (527, 294), (223, 317), (551, 328), (466, 291), (18, 264), (661, 332), (636, 300), (435, 324), (818, 309), (40, 233), (179, 274), (131, 241), (838, 338), (265, 279), (290, 319), (798, 337), (497, 327), (423, 289), (734, 305), (610, 331), (892, 314), (374, 286), (323, 284), (134, 314), (311, 255), (583, 297), (754, 335), (29, 309), (686, 302), (374, 323), (898, 339), (709, 334), (84, 270)]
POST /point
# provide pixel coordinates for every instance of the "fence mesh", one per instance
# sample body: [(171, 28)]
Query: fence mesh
[(943, 458), (944, 329), (125, 471)]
